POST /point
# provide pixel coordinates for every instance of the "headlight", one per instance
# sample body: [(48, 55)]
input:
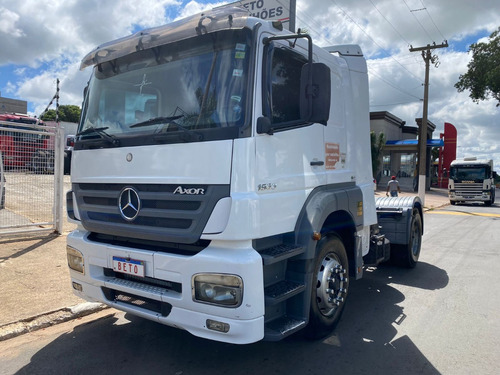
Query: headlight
[(217, 289), (75, 259)]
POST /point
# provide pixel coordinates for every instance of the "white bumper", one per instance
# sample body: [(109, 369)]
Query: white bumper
[(246, 322)]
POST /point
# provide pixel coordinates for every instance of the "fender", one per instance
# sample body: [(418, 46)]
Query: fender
[(394, 215), (336, 204)]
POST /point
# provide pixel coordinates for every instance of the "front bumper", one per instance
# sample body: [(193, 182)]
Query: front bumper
[(457, 196), (165, 294)]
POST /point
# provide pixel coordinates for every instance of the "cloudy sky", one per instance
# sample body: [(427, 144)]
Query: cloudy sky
[(42, 40)]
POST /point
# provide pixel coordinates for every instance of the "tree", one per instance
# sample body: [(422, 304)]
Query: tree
[(483, 76), (377, 148), (67, 113)]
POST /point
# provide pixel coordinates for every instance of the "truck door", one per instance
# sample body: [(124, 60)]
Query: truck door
[(290, 162)]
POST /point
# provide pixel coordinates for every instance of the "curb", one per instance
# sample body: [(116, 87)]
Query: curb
[(48, 319)]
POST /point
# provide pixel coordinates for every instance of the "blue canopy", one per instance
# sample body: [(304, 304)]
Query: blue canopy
[(414, 142)]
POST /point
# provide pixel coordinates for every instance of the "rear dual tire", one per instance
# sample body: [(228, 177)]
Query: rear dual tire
[(407, 254)]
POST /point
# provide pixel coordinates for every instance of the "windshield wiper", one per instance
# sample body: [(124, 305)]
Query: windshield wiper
[(189, 135), (100, 132), (156, 121)]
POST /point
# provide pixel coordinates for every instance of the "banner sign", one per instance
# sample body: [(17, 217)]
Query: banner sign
[(276, 10)]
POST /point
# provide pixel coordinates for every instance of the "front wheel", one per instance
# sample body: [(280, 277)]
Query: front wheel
[(492, 200), (330, 287)]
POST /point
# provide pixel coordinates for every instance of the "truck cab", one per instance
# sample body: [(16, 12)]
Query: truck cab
[(471, 180), (221, 180)]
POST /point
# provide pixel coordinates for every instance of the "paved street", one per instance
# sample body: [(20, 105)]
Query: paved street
[(440, 318)]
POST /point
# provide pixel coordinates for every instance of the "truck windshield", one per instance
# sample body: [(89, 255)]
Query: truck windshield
[(469, 173), (188, 91)]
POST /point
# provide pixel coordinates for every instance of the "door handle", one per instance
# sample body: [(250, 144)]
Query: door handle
[(315, 163)]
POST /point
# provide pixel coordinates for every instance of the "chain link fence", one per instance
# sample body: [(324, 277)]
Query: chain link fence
[(31, 181)]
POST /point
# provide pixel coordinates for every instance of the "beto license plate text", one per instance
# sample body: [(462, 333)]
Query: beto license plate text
[(128, 266)]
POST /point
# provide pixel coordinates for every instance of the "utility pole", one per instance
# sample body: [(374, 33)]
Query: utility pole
[(422, 138)]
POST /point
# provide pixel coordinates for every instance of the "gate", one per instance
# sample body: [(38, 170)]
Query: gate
[(31, 178)]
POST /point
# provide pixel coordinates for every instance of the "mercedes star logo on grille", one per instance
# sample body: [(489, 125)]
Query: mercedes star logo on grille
[(129, 203)]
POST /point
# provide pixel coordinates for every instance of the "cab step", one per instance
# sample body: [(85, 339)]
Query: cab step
[(282, 291), (282, 327), (280, 252)]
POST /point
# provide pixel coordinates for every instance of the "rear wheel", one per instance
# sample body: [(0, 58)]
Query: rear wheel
[(330, 287), (407, 255)]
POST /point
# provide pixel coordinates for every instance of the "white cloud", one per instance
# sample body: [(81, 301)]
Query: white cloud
[(8, 21)]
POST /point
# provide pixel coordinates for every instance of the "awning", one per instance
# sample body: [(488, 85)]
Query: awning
[(414, 142)]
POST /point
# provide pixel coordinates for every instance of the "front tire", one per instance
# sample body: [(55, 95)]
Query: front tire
[(330, 287)]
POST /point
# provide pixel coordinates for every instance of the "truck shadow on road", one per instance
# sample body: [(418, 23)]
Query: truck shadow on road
[(364, 342), (14, 248)]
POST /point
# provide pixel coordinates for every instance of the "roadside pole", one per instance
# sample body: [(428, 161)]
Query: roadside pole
[(422, 138)]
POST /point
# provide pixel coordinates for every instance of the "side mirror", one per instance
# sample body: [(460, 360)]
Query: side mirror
[(315, 93), (264, 125)]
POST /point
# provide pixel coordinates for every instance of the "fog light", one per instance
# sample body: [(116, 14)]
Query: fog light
[(75, 259), (217, 326), (217, 289), (77, 286)]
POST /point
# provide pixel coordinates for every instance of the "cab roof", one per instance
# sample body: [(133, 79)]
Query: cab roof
[(223, 18)]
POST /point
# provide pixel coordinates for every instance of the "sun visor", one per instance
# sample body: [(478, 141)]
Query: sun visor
[(223, 18)]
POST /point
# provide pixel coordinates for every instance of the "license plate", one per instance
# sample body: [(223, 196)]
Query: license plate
[(128, 266)]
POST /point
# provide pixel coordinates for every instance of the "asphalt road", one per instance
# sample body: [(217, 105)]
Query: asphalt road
[(439, 318)]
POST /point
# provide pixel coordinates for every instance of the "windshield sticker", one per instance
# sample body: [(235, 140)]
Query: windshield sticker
[(237, 72), (240, 47), (144, 82), (239, 55)]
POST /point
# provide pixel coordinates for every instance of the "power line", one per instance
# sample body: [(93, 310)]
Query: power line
[(394, 86), (437, 28), (390, 104), (389, 22), (413, 14), (373, 40)]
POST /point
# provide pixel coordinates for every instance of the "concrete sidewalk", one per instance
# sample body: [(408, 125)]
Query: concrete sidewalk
[(35, 287)]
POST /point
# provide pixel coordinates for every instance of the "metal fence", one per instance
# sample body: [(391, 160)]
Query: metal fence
[(31, 178)]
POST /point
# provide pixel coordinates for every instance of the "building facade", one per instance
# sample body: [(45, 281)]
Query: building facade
[(400, 155), (8, 105)]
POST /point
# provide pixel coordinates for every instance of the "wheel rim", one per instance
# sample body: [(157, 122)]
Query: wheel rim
[(331, 285)]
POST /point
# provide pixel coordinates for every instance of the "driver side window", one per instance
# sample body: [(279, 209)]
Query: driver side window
[(286, 67)]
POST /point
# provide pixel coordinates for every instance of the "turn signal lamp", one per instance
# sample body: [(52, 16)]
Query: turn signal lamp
[(217, 326)]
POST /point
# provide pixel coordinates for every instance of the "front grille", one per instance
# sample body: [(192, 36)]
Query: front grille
[(164, 216), (469, 189)]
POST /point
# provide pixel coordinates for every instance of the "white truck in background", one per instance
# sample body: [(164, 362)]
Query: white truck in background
[(221, 180), (471, 180)]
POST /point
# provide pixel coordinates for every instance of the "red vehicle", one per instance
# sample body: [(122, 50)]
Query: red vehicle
[(25, 149)]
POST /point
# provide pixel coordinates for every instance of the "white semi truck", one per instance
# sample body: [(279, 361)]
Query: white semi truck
[(221, 180), (471, 180)]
